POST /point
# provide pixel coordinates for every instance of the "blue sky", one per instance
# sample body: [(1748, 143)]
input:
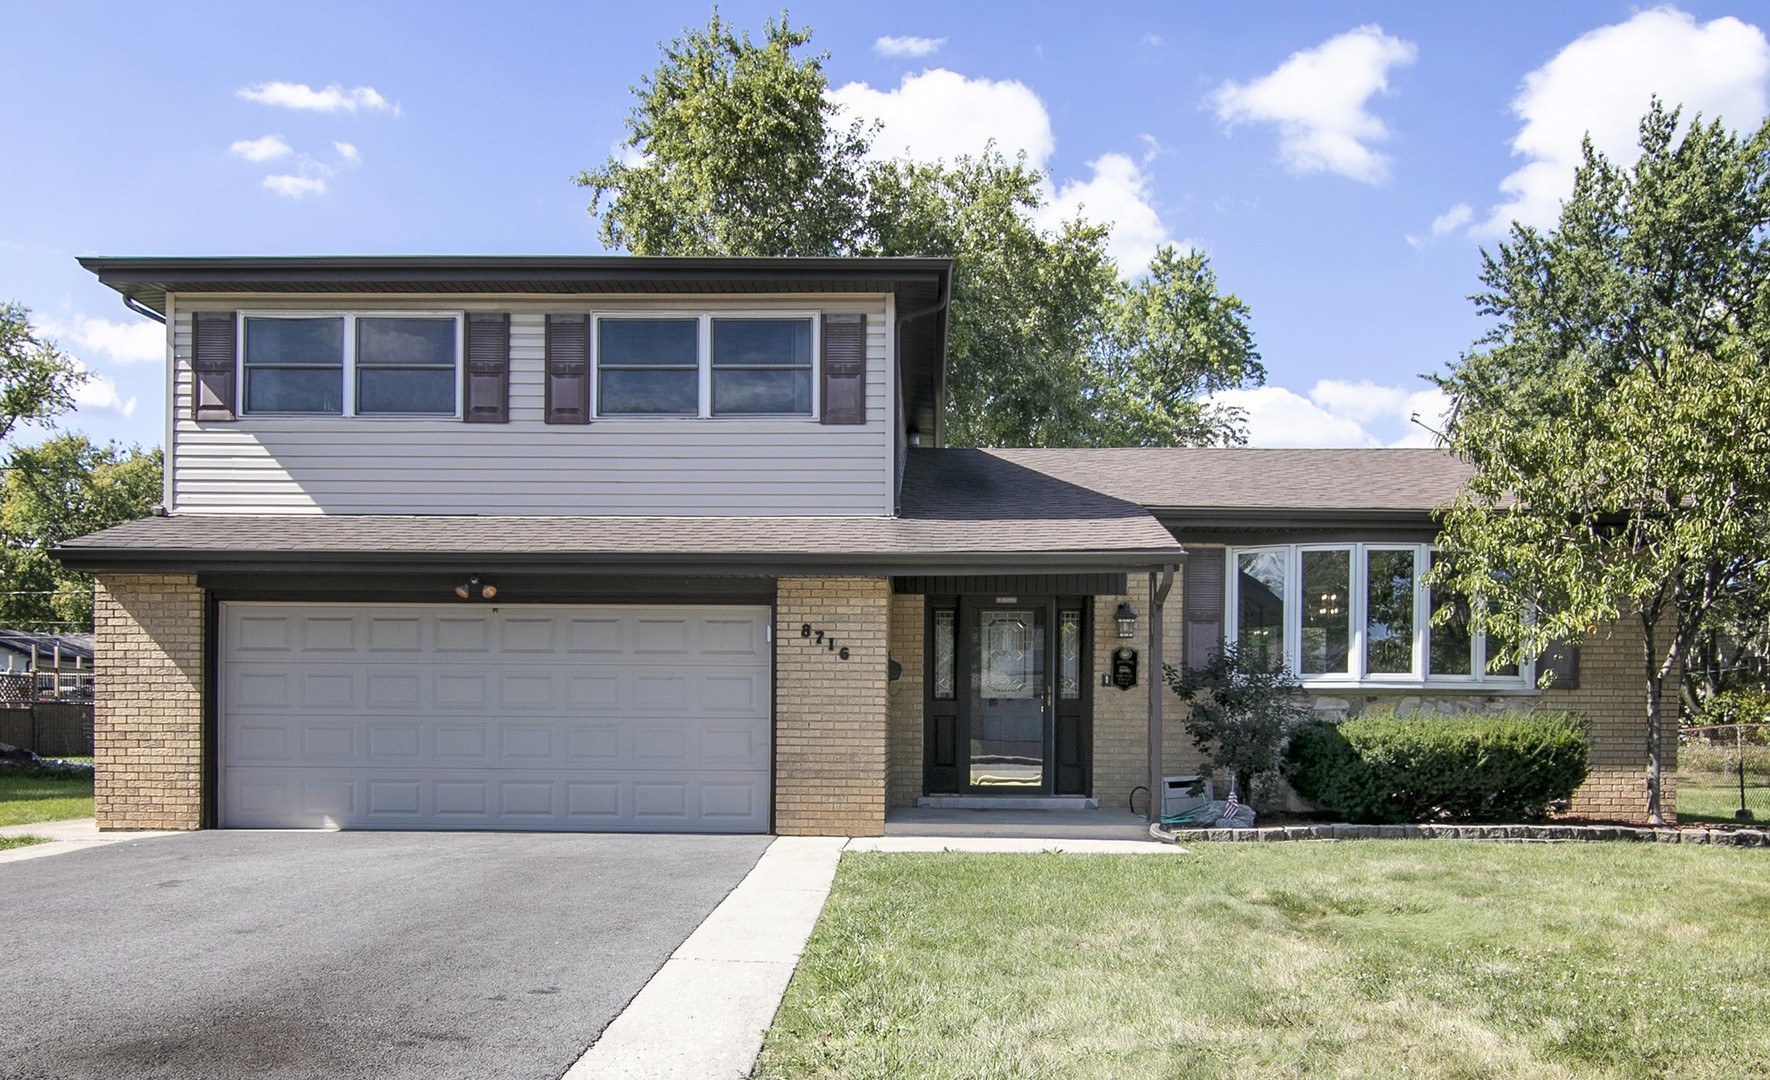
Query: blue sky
[(1341, 163)]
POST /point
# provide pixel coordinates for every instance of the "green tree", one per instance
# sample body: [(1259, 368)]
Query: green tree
[(1618, 414), (59, 489), (734, 148), (37, 380)]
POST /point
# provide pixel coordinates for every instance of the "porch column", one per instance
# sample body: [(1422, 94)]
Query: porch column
[(1159, 584)]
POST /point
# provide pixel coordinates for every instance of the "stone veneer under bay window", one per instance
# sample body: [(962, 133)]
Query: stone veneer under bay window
[(1355, 615)]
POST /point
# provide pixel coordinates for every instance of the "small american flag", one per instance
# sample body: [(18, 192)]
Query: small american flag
[(1232, 806)]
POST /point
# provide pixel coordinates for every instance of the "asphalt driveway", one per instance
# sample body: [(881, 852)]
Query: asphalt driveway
[(231, 954)]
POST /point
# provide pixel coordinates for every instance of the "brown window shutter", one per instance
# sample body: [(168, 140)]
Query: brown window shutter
[(845, 369), (1202, 599), (214, 357), (1561, 658), (568, 369), (485, 384)]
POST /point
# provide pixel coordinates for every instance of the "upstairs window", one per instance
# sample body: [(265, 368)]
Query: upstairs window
[(705, 365), (351, 364), (1355, 614)]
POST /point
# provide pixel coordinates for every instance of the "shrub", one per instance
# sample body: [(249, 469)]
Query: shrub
[(1239, 715), (1389, 769)]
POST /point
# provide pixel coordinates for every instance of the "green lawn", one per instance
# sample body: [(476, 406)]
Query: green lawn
[(7, 842), (1713, 797), (1367, 959), (26, 800)]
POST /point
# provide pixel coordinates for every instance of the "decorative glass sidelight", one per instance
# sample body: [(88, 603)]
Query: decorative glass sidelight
[(946, 653), (1069, 655)]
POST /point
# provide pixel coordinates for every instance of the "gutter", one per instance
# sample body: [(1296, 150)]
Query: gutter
[(130, 302)]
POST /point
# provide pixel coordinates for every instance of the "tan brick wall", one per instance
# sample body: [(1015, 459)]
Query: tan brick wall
[(830, 714), (1121, 717), (1612, 695), (908, 620), (148, 715)]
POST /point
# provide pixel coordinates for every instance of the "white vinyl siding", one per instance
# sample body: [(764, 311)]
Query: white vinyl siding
[(763, 466)]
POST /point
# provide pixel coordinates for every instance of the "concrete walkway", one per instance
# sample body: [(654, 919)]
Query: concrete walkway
[(704, 1014), (65, 837)]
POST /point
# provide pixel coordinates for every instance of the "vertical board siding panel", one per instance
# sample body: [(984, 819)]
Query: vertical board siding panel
[(317, 465)]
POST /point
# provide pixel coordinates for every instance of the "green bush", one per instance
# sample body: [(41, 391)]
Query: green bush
[(1389, 769)]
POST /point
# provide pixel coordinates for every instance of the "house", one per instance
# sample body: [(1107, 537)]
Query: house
[(44, 665), (672, 544)]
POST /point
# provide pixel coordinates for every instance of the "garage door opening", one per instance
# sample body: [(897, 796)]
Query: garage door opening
[(602, 718)]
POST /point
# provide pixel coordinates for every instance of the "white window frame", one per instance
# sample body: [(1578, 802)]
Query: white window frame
[(1358, 676), (704, 364), (350, 317)]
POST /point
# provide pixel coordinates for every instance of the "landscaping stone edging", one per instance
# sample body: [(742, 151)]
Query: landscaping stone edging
[(1514, 833)]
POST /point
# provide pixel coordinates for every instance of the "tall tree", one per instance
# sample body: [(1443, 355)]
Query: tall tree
[(62, 488), (734, 148), (1618, 414), (37, 380)]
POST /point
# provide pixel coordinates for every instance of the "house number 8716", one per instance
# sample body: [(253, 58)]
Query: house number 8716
[(818, 637)]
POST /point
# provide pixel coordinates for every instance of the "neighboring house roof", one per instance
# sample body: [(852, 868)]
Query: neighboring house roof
[(962, 509), (74, 647), (1248, 486)]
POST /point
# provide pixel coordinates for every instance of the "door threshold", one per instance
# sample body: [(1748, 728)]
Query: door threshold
[(1009, 802)]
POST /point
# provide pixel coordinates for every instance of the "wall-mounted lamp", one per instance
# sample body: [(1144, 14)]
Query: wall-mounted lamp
[(475, 589), (1127, 620)]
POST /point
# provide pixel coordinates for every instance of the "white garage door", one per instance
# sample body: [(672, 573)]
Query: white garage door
[(448, 717)]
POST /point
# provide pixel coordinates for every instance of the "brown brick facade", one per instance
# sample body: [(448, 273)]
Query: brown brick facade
[(148, 715), (830, 714)]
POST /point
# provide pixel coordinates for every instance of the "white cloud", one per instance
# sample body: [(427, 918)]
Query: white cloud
[(942, 114), (1339, 413), (1603, 82), (1152, 40), (100, 392), (264, 148), (333, 98), (349, 153), (1318, 99), (1448, 222), (136, 342), (907, 46), (295, 187), (1118, 192)]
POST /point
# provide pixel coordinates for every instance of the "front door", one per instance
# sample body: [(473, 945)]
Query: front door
[(1006, 702), (1009, 734)]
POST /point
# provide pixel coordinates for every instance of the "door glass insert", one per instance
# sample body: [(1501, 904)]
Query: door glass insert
[(946, 648), (1008, 730), (1069, 654)]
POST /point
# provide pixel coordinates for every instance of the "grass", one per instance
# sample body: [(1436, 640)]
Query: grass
[(1713, 797), (26, 800), (7, 842), (1367, 959)]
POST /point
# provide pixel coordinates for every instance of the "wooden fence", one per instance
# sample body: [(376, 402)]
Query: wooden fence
[(50, 728)]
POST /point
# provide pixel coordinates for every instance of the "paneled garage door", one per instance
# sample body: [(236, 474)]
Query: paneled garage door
[(448, 717)]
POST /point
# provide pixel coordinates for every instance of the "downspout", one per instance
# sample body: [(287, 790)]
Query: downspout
[(1159, 586), (140, 308)]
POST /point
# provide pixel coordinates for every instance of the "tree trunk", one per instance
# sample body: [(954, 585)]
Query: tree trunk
[(1655, 673)]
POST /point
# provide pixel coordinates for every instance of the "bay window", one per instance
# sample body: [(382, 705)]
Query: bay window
[(1355, 614)]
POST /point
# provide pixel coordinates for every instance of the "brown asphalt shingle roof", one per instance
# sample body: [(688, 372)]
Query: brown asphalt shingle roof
[(1089, 504), (955, 502), (1205, 478)]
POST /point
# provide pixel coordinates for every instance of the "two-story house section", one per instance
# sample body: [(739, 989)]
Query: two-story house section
[(611, 543)]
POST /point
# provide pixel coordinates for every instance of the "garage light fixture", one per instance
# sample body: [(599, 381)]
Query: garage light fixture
[(475, 589)]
